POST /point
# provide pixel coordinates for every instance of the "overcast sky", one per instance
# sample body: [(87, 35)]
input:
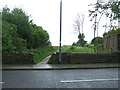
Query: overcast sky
[(46, 13)]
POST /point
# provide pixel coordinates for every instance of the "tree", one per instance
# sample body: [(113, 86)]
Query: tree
[(19, 33), (19, 18), (81, 41), (40, 38), (78, 23), (110, 9), (98, 40), (78, 26), (94, 15), (10, 39)]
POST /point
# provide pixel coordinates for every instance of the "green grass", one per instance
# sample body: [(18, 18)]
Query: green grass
[(106, 51), (77, 49), (41, 53)]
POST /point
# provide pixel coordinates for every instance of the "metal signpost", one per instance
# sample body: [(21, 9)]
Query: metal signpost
[(60, 30), (119, 18)]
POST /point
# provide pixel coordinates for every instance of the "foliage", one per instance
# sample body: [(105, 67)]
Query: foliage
[(77, 49), (54, 60), (81, 41), (114, 6), (98, 40), (29, 56), (90, 46), (10, 40), (41, 53), (113, 31), (98, 43), (19, 33), (110, 9)]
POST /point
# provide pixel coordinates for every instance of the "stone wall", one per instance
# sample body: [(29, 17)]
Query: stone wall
[(82, 58), (17, 58), (112, 42)]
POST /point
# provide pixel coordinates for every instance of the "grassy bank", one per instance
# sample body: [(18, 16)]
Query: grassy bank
[(28, 56), (41, 53), (70, 49), (77, 49)]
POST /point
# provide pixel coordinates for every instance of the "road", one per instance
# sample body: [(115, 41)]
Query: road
[(81, 78)]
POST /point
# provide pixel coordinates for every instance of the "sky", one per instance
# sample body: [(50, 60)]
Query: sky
[(46, 13)]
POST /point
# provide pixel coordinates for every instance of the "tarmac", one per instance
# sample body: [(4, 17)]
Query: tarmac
[(59, 66)]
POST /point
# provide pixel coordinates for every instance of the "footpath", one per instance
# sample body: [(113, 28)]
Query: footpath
[(59, 66)]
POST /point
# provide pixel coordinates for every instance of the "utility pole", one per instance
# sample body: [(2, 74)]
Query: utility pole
[(60, 60), (95, 28), (119, 18)]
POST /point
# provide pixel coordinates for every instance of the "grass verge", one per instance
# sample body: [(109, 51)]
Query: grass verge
[(41, 53), (77, 49)]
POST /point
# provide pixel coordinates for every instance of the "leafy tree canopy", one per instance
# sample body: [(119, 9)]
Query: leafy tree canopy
[(98, 40), (18, 32)]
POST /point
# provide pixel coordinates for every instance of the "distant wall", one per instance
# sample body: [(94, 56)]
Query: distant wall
[(112, 42), (82, 58)]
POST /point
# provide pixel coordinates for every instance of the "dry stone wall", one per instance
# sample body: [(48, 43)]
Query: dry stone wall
[(112, 42), (17, 58), (83, 58)]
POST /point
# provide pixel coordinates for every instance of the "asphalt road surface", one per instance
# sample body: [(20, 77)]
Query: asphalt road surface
[(81, 78)]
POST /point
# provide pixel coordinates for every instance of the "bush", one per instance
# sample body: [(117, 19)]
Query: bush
[(90, 46), (71, 47), (54, 60), (113, 31), (97, 40)]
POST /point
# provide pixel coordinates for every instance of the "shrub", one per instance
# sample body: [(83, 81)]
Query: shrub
[(113, 31), (71, 47)]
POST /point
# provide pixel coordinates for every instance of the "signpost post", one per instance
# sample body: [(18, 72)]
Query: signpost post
[(60, 60), (119, 18)]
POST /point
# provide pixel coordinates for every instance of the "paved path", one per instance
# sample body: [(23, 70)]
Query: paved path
[(44, 61), (82, 78)]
